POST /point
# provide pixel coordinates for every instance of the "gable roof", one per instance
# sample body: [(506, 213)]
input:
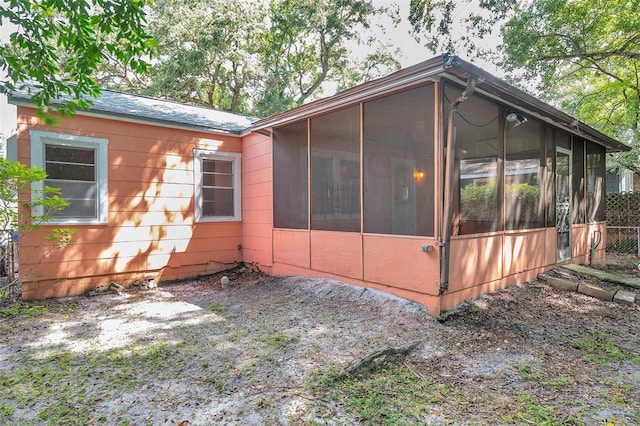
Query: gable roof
[(128, 107), (451, 68)]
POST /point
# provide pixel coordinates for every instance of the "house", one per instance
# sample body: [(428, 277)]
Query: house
[(623, 181), (436, 183), (134, 169)]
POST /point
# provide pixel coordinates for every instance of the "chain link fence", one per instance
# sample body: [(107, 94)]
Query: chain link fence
[(623, 239), (623, 223), (8, 265)]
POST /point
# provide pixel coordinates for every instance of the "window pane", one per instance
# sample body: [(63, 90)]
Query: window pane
[(217, 202), (67, 163), (81, 197), (579, 208), (68, 171), (523, 175), (217, 188), (290, 179), (217, 166), (215, 208), (479, 145), (398, 158), (209, 179), (335, 171), (214, 194), (596, 172), (69, 155), (73, 171)]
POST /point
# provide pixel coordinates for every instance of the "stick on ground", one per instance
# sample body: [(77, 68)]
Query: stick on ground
[(377, 358)]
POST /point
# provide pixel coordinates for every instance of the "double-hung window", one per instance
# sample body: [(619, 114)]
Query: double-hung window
[(77, 165), (217, 186)]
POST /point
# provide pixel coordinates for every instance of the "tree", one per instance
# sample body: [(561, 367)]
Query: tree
[(310, 43), (53, 53), (207, 51), (458, 25), (16, 214), (583, 56), (58, 45), (242, 56)]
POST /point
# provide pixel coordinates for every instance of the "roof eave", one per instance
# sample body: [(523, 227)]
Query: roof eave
[(408, 76), (452, 67), (503, 91), (132, 118)]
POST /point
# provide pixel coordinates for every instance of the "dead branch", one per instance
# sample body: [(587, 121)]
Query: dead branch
[(377, 358)]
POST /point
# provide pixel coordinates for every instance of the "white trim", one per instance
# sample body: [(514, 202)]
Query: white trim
[(40, 138), (236, 158)]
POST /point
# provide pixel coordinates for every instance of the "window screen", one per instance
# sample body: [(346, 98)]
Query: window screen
[(217, 188), (524, 207), (335, 171), (398, 163), (579, 206), (550, 199), (596, 172), (479, 146), (73, 170), (290, 180)]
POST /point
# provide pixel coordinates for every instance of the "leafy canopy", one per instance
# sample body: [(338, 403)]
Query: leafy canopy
[(258, 57), (57, 45), (207, 51), (311, 42), (581, 55), (585, 57)]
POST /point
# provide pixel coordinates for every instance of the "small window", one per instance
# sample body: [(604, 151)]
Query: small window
[(217, 182), (77, 165)]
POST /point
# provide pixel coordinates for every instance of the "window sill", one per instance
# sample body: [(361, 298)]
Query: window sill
[(218, 219)]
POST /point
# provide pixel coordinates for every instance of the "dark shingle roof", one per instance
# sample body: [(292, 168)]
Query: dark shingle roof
[(158, 111)]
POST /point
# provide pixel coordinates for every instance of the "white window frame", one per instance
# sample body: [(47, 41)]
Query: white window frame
[(236, 159), (39, 139)]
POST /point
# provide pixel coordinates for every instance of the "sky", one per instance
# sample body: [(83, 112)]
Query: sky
[(7, 112), (411, 53)]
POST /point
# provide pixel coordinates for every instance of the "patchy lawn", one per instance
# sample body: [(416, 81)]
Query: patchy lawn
[(270, 350)]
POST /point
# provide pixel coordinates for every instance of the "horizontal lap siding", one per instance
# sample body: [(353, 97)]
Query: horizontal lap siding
[(257, 201), (151, 230)]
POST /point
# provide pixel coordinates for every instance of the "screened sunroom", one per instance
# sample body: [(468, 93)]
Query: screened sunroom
[(436, 183)]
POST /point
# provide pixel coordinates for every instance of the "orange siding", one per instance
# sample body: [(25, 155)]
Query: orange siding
[(600, 253), (400, 262), (292, 247), (480, 264), (551, 246), (151, 231), (583, 235), (257, 201), (475, 260), (523, 251), (338, 253)]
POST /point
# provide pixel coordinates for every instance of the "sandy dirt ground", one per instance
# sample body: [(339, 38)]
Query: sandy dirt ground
[(246, 354)]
